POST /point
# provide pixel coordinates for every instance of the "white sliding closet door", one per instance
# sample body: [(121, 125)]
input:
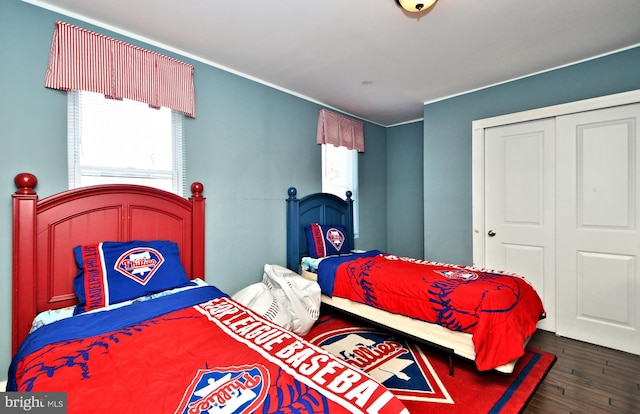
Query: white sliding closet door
[(598, 237), (520, 205), (557, 199)]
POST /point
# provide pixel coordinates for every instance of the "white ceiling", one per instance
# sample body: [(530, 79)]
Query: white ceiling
[(369, 58)]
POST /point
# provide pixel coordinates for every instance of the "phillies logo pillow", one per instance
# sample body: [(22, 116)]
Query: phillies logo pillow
[(114, 272), (326, 240)]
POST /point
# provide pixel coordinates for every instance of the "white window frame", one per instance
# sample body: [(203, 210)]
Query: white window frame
[(348, 180), (76, 170)]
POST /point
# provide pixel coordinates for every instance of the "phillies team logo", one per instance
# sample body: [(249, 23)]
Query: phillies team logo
[(226, 390), (139, 264), (335, 237), (458, 274), (402, 368)]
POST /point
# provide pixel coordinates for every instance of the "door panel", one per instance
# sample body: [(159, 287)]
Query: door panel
[(605, 175), (594, 292)]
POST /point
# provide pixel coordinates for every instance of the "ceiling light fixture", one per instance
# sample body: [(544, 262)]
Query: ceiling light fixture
[(415, 6)]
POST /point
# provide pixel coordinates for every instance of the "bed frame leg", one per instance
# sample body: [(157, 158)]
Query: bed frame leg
[(451, 373)]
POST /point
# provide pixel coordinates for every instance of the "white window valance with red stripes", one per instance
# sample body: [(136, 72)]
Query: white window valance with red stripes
[(340, 131), (85, 60)]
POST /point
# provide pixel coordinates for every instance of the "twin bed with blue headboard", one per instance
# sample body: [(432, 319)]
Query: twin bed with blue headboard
[(440, 305)]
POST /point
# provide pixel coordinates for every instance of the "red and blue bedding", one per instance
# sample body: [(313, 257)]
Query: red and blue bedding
[(190, 352), (499, 310)]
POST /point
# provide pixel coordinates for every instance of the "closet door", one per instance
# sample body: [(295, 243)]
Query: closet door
[(598, 237), (520, 205)]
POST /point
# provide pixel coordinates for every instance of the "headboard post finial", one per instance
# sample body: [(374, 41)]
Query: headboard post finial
[(196, 189), (25, 182), (349, 194), (292, 192)]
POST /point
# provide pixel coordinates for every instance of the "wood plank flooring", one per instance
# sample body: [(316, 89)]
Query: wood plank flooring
[(586, 378)]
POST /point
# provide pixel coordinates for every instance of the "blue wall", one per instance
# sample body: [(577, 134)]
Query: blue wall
[(405, 221), (447, 139), (248, 145)]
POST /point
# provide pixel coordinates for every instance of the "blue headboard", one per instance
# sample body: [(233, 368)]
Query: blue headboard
[(321, 208)]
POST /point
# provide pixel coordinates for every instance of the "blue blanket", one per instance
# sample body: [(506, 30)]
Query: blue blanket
[(328, 267)]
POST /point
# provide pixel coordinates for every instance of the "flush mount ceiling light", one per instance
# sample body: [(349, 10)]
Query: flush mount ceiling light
[(415, 6)]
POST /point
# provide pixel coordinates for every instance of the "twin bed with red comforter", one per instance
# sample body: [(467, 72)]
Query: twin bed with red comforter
[(189, 352), (500, 311), (482, 315), (137, 330)]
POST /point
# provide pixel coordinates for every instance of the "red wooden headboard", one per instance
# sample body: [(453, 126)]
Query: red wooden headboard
[(46, 231)]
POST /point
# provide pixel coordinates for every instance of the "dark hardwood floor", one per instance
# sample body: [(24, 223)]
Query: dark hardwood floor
[(586, 379)]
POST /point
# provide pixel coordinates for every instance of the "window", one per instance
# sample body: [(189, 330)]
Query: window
[(123, 141), (340, 174)]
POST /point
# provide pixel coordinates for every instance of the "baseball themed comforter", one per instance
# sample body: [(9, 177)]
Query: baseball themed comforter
[(196, 351), (499, 310)]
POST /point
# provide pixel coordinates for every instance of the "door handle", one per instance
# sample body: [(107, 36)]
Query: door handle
[(491, 233)]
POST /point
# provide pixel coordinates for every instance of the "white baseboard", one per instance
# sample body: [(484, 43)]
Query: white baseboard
[(3, 385)]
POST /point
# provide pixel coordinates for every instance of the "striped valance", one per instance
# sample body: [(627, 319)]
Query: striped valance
[(340, 131), (85, 60)]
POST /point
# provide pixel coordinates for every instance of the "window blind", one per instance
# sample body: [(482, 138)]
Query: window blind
[(85, 60), (125, 141)]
